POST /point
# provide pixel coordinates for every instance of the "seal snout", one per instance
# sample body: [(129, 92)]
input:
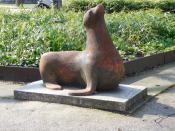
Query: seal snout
[(100, 9)]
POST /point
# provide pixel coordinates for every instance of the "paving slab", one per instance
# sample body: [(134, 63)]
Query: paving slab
[(156, 80), (7, 88), (158, 114), (125, 98)]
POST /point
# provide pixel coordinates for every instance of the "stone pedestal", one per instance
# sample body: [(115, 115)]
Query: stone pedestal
[(125, 98)]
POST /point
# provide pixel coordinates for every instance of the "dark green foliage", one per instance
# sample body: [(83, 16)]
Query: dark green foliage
[(167, 5), (142, 33), (24, 36), (121, 5)]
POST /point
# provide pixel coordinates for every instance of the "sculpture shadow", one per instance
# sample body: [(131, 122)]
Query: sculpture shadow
[(166, 79), (154, 107), (167, 75), (9, 100)]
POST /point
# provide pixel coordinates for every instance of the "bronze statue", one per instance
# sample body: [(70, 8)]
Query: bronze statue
[(98, 67)]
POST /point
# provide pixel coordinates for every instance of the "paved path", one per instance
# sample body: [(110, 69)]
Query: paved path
[(156, 115)]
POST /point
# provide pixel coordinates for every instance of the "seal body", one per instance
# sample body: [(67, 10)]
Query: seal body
[(98, 67)]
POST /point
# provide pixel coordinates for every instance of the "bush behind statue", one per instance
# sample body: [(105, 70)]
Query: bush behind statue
[(24, 36), (120, 5)]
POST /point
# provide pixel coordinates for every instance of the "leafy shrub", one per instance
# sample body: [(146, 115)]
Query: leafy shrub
[(24, 36), (167, 5), (120, 5), (143, 32)]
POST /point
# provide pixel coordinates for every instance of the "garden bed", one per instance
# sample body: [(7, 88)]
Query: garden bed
[(121, 5), (141, 37), (29, 74), (24, 36)]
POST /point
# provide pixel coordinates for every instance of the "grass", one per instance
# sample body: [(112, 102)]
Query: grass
[(121, 5), (142, 33), (25, 35)]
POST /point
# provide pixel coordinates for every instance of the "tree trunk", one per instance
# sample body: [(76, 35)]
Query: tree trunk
[(57, 3), (19, 2)]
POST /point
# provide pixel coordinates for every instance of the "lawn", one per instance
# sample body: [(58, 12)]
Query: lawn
[(25, 35)]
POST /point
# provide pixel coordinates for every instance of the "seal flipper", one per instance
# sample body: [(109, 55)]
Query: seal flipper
[(53, 86), (83, 92), (90, 76)]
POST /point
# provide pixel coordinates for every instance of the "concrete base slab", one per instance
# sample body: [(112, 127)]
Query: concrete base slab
[(126, 98)]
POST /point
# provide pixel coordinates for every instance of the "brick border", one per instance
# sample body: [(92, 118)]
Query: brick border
[(29, 74)]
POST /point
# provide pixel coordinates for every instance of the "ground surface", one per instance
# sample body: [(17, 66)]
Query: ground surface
[(156, 115)]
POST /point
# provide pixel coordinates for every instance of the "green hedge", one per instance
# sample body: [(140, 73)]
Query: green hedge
[(25, 36), (119, 5)]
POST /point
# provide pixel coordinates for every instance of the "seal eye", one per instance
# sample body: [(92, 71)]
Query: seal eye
[(89, 18), (90, 13)]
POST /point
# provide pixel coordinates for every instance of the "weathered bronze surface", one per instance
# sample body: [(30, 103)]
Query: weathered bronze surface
[(98, 67)]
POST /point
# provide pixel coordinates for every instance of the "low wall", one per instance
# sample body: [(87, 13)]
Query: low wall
[(29, 74)]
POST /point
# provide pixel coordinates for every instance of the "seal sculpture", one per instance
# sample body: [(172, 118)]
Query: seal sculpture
[(98, 67)]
